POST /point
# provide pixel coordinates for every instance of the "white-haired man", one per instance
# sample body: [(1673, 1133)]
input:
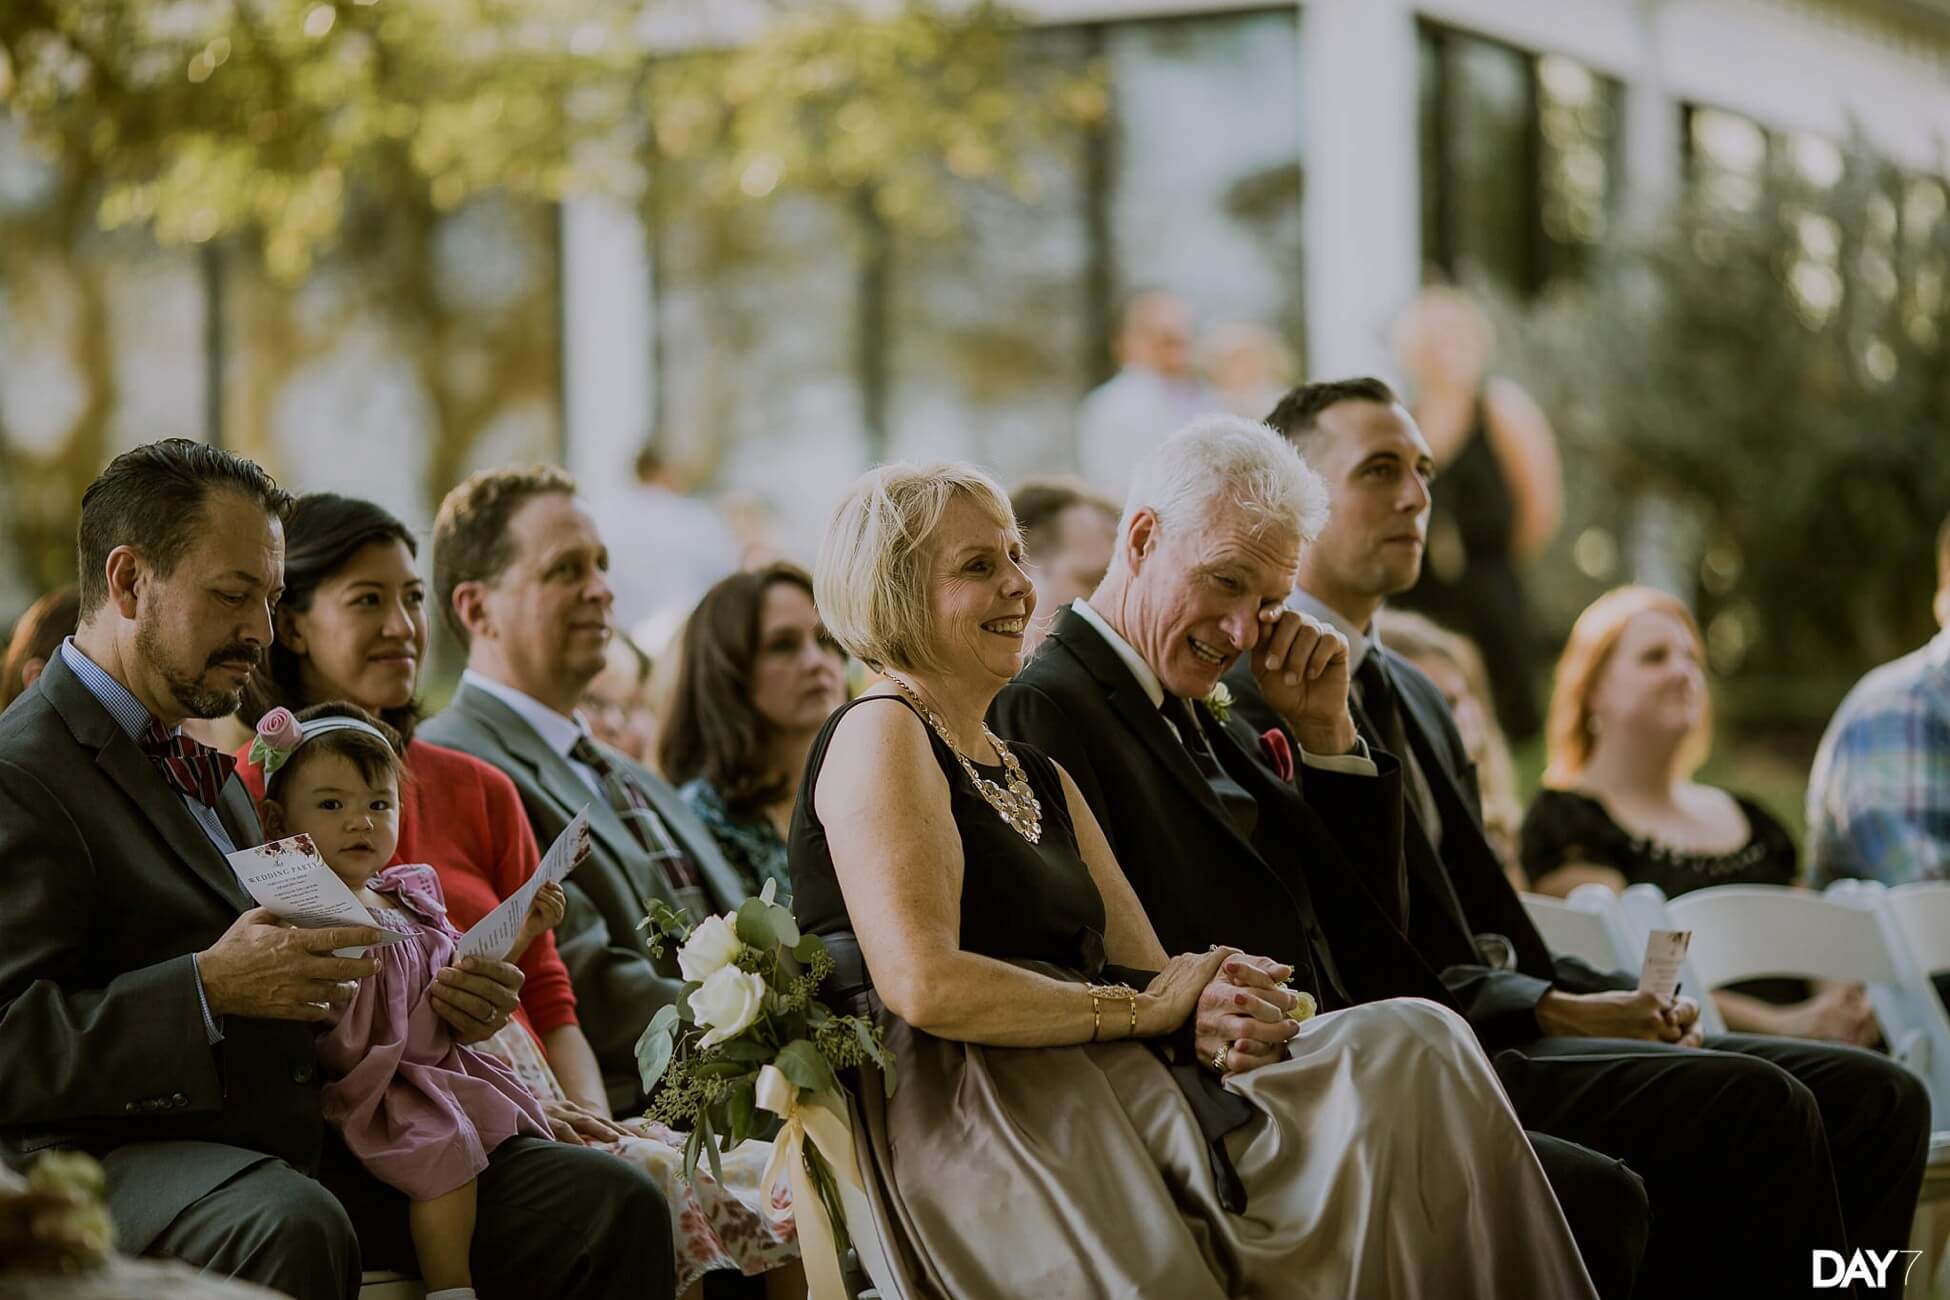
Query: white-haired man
[(1224, 832)]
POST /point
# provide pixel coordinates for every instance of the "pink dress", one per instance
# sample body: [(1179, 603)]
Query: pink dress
[(419, 1110)]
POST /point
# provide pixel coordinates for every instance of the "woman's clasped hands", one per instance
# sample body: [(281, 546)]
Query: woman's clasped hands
[(1242, 1012)]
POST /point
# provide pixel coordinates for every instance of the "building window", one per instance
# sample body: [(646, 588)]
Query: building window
[(1519, 155)]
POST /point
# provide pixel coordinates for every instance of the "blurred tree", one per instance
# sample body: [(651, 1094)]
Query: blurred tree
[(1779, 368), (290, 130)]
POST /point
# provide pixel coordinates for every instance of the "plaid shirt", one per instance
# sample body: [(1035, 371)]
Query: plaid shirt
[(1879, 798)]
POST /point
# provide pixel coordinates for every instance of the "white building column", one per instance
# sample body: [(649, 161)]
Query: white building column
[(1361, 212), (1654, 157), (607, 326)]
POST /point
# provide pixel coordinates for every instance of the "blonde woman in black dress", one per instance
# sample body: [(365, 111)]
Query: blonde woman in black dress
[(1226, 1149)]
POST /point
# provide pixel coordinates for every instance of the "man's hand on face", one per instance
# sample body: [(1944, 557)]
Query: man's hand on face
[(1301, 665)]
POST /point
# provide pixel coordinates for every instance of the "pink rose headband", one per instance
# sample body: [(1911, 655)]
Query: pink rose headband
[(279, 733)]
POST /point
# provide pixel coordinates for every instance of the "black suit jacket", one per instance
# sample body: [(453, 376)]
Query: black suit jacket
[(107, 886), (1460, 891), (617, 986), (1318, 868)]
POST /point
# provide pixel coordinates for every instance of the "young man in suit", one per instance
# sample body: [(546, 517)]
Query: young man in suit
[(148, 1012), (1300, 865), (520, 575), (1782, 1145)]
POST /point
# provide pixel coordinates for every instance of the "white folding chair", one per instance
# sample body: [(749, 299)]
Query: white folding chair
[(1642, 909), (1587, 926), (1920, 917), (1743, 932), (1912, 1017)]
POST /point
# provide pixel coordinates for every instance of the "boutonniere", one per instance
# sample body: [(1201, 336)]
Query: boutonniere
[(1219, 702)]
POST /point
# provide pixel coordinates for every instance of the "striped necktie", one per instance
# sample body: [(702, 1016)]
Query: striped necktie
[(631, 803)]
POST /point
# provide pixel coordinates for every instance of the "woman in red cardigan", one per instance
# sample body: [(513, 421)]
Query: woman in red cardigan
[(352, 625)]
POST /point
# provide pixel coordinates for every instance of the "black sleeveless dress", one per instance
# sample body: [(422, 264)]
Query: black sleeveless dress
[(1469, 582), (1019, 901), (1368, 1161)]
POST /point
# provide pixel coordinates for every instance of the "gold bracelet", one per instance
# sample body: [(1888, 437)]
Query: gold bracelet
[(1118, 992)]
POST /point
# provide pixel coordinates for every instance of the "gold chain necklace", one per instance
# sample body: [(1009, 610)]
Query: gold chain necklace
[(1016, 805)]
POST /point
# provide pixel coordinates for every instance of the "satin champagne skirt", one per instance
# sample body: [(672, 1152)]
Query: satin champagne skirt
[(1385, 1162)]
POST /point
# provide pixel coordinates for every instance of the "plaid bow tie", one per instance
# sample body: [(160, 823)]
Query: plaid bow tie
[(196, 770)]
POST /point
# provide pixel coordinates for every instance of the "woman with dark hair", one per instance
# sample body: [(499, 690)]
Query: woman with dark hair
[(759, 675), (352, 625), (47, 622)]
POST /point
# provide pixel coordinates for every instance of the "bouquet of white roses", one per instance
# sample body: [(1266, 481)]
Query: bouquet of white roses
[(748, 1035)]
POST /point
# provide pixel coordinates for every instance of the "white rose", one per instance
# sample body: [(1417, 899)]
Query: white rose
[(712, 946), (727, 1004)]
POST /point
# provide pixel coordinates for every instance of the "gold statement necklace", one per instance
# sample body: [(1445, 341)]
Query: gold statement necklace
[(1017, 804)]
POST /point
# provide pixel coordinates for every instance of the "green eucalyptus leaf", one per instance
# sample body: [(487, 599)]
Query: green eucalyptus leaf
[(802, 1063), (755, 925), (655, 1048), (783, 925), (705, 1140), (743, 1105)]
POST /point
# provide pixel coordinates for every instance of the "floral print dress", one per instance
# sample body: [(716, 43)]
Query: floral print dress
[(714, 1225)]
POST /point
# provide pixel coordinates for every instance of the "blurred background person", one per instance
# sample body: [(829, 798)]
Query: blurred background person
[(47, 623), (666, 548), (758, 676), (1153, 395), (1879, 798), (1248, 367), (1068, 533), (1454, 665), (1629, 725), (1502, 496), (617, 703)]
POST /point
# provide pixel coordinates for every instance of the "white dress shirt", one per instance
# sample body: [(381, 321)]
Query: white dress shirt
[(559, 733)]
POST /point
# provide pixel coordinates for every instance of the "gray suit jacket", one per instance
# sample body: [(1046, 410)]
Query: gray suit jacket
[(618, 988), (107, 885)]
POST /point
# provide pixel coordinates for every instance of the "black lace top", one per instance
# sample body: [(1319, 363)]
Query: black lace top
[(1019, 901), (1564, 827)]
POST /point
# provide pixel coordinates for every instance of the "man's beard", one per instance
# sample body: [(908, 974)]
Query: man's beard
[(198, 700)]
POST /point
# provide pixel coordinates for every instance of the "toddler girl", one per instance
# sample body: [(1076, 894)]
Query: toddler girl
[(421, 1111)]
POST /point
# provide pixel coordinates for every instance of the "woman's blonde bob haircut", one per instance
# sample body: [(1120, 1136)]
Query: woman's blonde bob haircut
[(1567, 727), (871, 582)]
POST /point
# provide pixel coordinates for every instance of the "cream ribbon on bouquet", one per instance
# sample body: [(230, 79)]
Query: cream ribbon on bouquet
[(833, 1138)]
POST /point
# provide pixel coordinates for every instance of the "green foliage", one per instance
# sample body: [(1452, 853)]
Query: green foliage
[(297, 123), (1781, 374), (833, 99)]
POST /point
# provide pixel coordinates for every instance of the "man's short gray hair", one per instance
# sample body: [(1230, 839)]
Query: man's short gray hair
[(1221, 461)]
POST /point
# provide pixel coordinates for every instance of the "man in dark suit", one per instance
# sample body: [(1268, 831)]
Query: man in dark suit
[(148, 1012), (1219, 848), (518, 570), (1781, 1145)]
